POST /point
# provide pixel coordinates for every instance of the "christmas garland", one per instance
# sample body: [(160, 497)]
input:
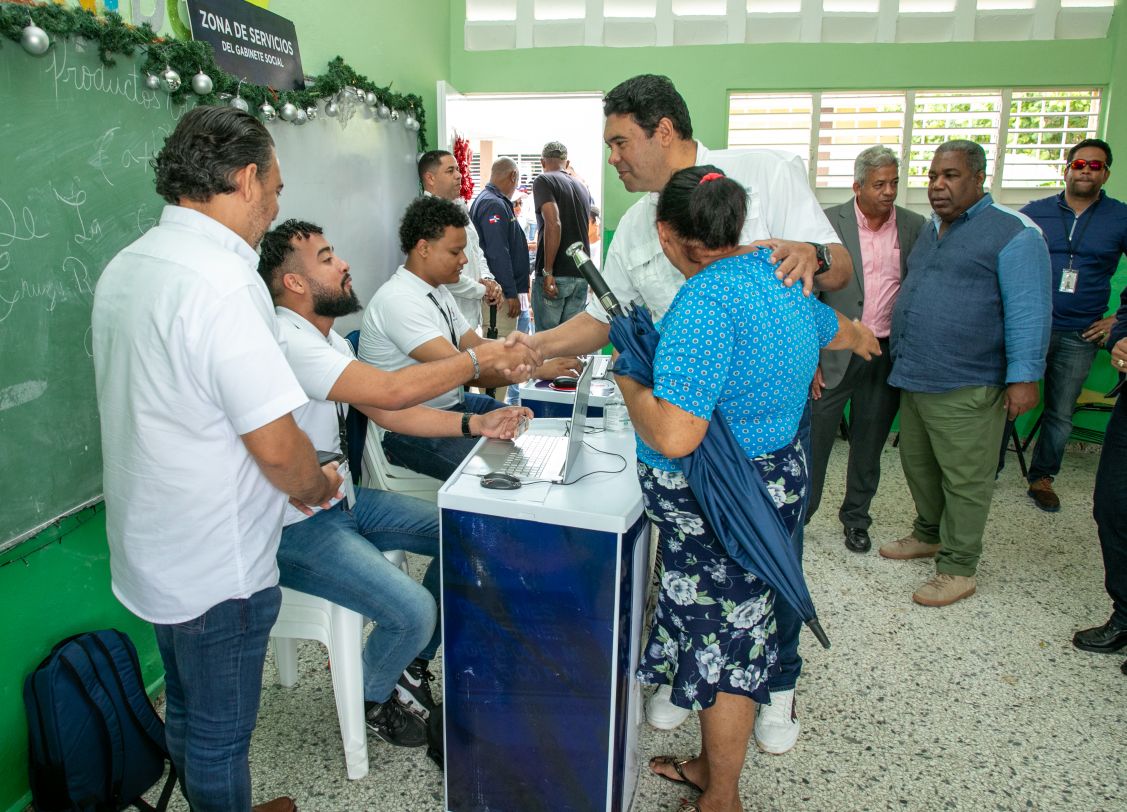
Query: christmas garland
[(166, 60)]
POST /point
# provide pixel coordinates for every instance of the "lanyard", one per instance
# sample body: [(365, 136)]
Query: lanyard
[(342, 429), (1070, 246), (446, 318)]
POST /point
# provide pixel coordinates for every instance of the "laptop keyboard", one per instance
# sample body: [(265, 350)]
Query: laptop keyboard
[(532, 453)]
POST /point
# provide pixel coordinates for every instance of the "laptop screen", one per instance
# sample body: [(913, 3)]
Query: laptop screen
[(578, 418)]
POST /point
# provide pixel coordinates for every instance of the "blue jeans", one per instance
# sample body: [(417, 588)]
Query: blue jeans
[(570, 301), (213, 682), (338, 555), (437, 457), (1109, 508), (1066, 367), (788, 624)]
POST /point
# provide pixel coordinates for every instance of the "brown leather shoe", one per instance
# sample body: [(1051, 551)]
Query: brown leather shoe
[(283, 804), (908, 547), (1043, 494)]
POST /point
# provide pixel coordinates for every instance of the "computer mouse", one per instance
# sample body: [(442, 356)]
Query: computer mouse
[(499, 481), (565, 382)]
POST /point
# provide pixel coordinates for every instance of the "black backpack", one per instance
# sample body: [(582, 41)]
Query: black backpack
[(95, 742)]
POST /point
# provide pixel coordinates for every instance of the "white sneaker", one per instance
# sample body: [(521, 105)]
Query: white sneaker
[(662, 713), (776, 725)]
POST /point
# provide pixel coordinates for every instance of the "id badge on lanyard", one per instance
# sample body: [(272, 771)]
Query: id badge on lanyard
[(347, 486), (1068, 279)]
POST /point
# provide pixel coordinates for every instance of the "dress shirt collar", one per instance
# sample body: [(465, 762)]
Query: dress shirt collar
[(210, 228), (984, 203), (863, 221)]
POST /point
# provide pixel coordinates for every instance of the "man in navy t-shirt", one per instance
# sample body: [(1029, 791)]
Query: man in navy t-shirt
[(1087, 234), (563, 214)]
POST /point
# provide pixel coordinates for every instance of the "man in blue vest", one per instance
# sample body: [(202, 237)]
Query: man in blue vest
[(969, 335), (1087, 234)]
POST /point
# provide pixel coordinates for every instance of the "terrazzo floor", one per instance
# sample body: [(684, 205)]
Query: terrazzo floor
[(983, 705)]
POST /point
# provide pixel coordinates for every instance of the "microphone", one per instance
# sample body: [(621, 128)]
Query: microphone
[(594, 279)]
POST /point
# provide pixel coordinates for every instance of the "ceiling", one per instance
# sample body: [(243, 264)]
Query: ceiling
[(508, 24)]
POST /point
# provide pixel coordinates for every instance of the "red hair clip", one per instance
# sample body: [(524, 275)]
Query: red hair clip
[(710, 176)]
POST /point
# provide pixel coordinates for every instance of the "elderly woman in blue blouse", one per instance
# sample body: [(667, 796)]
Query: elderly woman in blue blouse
[(735, 338)]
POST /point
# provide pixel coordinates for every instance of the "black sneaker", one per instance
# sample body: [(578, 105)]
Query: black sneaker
[(413, 688), (395, 724)]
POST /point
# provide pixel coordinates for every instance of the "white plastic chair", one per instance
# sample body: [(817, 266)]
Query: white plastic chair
[(377, 472), (340, 630)]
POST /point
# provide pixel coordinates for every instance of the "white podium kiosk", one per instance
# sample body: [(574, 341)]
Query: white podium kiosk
[(543, 590)]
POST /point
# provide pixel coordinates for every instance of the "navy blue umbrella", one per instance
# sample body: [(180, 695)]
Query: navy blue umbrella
[(726, 483)]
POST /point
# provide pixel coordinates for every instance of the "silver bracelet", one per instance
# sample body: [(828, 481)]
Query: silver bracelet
[(476, 366)]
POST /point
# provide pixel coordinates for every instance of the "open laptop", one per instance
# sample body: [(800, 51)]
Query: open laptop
[(538, 456)]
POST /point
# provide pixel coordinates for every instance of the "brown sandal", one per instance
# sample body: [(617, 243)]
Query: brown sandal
[(679, 767)]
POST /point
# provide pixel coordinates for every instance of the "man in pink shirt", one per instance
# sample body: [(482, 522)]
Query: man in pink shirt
[(879, 236)]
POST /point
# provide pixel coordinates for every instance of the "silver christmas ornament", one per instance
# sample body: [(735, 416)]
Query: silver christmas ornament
[(288, 112), (370, 99), (35, 40), (395, 115), (202, 84), (331, 108), (170, 80), (301, 118), (239, 103), (152, 81), (267, 111), (311, 112), (410, 123), (383, 112)]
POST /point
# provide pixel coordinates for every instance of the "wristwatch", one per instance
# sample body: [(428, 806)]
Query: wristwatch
[(825, 259), (466, 425)]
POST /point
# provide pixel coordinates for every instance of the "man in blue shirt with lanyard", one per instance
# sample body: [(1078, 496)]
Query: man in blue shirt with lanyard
[(1087, 234)]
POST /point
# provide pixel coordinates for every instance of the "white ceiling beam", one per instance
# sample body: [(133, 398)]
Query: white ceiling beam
[(526, 17), (737, 21), (1045, 19), (964, 20), (811, 20), (663, 21), (886, 20), (593, 23)]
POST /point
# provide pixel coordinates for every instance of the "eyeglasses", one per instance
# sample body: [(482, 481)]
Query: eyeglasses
[(1080, 163)]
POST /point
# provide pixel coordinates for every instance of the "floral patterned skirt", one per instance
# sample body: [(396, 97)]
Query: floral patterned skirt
[(714, 628)]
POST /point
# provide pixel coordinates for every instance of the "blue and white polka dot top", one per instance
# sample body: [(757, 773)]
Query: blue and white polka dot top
[(735, 338)]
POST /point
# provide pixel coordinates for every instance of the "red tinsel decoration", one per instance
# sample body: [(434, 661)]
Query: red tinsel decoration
[(463, 155)]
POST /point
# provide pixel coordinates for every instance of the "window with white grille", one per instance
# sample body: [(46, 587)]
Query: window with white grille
[(527, 162), (1025, 133)]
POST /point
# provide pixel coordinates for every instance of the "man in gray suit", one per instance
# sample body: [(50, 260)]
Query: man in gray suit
[(879, 237)]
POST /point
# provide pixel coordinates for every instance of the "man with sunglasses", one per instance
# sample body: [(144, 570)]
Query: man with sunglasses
[(1087, 234)]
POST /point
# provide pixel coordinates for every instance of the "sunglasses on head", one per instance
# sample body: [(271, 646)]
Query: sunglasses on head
[(1080, 163)]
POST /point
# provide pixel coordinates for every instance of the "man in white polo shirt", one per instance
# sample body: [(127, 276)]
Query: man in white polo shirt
[(650, 135), (439, 177), (199, 447), (413, 319), (337, 553)]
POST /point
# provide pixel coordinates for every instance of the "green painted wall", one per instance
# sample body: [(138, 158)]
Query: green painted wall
[(706, 74), (404, 44)]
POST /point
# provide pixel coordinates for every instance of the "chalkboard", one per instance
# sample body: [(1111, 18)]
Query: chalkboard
[(75, 187)]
